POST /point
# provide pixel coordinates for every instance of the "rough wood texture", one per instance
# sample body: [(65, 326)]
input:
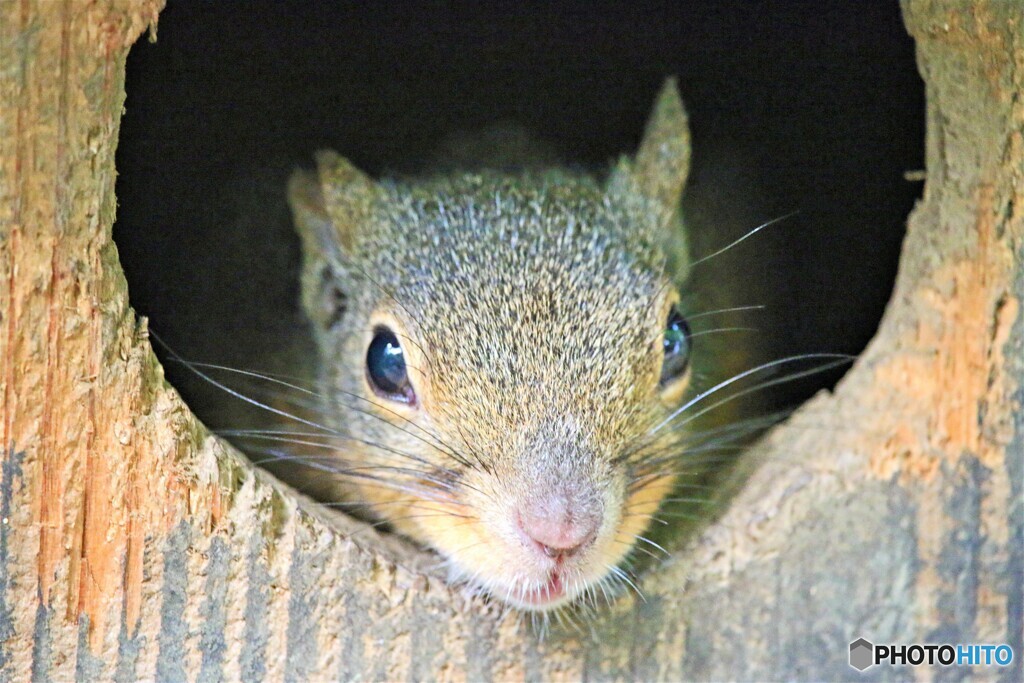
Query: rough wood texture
[(133, 545)]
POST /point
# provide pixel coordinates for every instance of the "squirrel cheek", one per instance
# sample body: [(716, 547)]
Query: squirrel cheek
[(641, 505)]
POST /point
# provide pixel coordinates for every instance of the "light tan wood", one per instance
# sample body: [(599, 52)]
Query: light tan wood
[(135, 545)]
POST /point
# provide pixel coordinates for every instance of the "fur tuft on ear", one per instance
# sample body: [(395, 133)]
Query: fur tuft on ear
[(349, 196), (658, 172), (663, 160), (662, 163)]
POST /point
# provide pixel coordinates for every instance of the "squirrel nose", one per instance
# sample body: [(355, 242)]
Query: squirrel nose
[(559, 532)]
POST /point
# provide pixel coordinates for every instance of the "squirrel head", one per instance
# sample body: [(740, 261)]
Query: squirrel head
[(495, 351)]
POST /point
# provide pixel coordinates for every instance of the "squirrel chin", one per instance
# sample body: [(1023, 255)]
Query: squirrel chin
[(558, 590), (543, 598)]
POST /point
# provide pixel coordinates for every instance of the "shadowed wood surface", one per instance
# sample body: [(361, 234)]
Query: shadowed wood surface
[(135, 545)]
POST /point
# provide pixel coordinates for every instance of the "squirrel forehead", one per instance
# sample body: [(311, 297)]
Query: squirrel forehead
[(491, 230), (554, 287), (551, 247)]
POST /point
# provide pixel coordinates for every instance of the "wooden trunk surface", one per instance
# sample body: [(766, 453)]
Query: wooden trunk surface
[(135, 545)]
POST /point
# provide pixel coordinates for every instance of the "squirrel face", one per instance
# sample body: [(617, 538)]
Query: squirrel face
[(495, 350)]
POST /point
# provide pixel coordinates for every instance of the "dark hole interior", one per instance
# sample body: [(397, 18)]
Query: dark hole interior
[(814, 107)]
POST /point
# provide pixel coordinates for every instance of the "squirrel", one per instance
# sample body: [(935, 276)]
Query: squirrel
[(500, 356)]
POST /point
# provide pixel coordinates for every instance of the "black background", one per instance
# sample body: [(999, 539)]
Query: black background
[(813, 107)]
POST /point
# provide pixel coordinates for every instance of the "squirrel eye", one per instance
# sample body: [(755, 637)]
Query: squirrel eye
[(385, 367), (677, 347)]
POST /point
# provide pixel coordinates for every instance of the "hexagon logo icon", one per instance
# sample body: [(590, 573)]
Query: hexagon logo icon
[(861, 654)]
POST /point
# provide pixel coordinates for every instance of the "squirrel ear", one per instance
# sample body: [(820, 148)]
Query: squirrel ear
[(659, 171), (349, 196), (330, 207), (311, 220), (663, 160)]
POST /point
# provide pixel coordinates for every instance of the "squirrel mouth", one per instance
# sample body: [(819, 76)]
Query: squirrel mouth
[(545, 596)]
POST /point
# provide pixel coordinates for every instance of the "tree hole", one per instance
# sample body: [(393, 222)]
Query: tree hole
[(795, 108)]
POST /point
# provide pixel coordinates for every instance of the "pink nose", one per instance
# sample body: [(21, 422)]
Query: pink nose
[(559, 533)]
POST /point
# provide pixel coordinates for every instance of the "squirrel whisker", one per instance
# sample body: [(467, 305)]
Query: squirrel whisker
[(334, 447), (717, 330), (837, 360), (444, 448), (731, 309), (370, 479), (622, 574), (750, 233), (425, 505)]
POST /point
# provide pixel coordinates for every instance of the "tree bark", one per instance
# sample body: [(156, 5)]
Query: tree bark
[(133, 544)]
